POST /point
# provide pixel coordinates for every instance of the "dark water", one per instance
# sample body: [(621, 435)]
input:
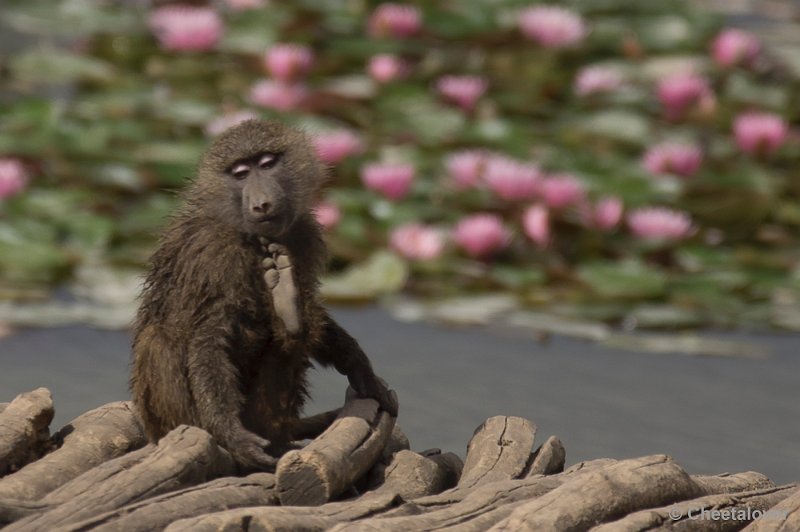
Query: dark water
[(711, 415)]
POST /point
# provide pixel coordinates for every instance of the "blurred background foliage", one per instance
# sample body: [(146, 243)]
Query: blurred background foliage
[(108, 122)]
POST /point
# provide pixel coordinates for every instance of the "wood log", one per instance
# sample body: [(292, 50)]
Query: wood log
[(24, 429), (398, 441), (307, 519), (728, 483), (411, 475), (13, 510), (330, 464), (184, 457), (727, 511), (782, 517), (590, 464), (157, 513), (549, 458), (458, 494), (466, 509), (89, 440), (604, 495), (500, 449)]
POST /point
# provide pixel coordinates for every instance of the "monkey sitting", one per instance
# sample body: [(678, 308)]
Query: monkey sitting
[(230, 317)]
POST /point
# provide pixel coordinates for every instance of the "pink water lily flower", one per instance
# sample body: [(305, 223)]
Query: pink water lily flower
[(13, 177), (278, 95), (385, 68), (560, 190), (735, 47), (334, 146), (288, 62), (511, 179), (679, 158), (552, 26), (681, 91), (393, 181), (536, 224), (605, 214), (481, 235), (760, 133), (597, 79), (228, 120), (327, 214), (660, 223), (186, 28), (417, 242), (464, 91), (395, 20), (465, 167)]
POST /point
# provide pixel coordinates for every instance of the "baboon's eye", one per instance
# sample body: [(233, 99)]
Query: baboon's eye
[(268, 160), (240, 171)]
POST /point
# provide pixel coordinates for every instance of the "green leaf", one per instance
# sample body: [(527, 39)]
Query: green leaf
[(184, 153), (145, 218), (31, 262), (56, 66), (517, 278), (620, 125), (628, 279), (383, 273), (419, 114), (665, 317), (72, 18)]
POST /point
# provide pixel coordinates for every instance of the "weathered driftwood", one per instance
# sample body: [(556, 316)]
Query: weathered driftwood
[(604, 495), (13, 510), (500, 449), (549, 458), (537, 485), (728, 511), (24, 429), (398, 441), (94, 481), (330, 464), (305, 518), (184, 457), (89, 440), (156, 513), (783, 517), (411, 475), (727, 483), (466, 509)]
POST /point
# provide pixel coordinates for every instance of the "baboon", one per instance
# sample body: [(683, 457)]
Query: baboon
[(230, 319)]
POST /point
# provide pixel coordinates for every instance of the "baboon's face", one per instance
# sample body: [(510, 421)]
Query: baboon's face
[(262, 176), (262, 190)]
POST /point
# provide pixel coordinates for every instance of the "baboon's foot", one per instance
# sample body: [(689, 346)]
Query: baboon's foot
[(280, 282)]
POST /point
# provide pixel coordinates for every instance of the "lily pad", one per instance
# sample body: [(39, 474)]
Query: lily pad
[(382, 273), (56, 66), (665, 317), (624, 126), (472, 310), (628, 279), (685, 344)]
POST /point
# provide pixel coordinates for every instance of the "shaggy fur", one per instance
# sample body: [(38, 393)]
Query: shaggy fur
[(209, 349)]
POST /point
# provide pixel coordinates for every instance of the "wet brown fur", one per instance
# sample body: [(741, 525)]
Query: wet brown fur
[(208, 348)]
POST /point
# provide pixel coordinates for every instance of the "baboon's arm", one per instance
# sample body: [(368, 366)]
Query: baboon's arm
[(341, 350), (214, 384)]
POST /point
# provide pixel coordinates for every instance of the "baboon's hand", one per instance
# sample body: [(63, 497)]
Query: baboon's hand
[(367, 384), (248, 451), (278, 277)]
